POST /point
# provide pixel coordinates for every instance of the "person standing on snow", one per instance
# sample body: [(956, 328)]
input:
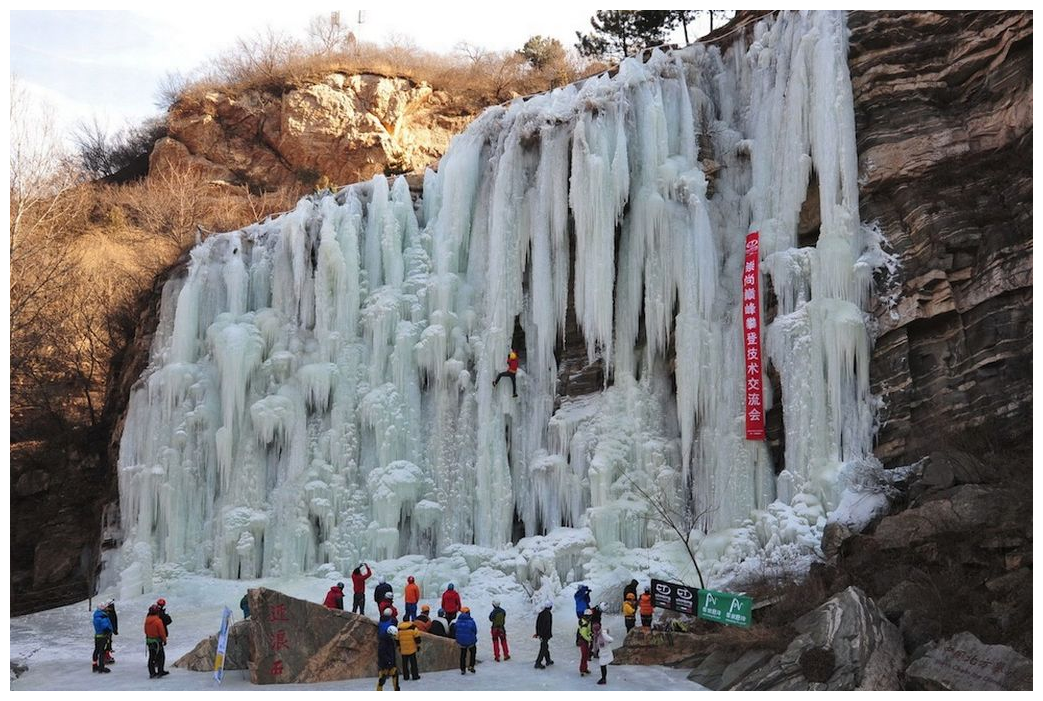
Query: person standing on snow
[(244, 604), (584, 637), (511, 371), (335, 597), (412, 598), (498, 617), (644, 606), (378, 594), (102, 633), (595, 626), (161, 604), (601, 642), (467, 639), (450, 602), (582, 598), (358, 586), (409, 645), (110, 611), (544, 628), (155, 641), (630, 611), (386, 665)]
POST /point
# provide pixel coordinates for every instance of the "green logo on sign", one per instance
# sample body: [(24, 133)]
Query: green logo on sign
[(730, 609)]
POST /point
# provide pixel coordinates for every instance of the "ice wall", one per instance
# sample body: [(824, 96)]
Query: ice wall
[(320, 386)]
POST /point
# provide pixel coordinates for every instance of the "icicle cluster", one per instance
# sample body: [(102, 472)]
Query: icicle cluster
[(320, 386)]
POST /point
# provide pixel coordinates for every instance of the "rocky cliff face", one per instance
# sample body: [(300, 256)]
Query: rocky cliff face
[(943, 110), (345, 127)]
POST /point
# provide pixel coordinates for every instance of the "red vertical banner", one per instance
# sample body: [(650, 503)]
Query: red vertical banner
[(751, 335)]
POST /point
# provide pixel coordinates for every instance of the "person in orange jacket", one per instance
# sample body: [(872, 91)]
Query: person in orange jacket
[(423, 621), (408, 645), (155, 640), (644, 605), (412, 598)]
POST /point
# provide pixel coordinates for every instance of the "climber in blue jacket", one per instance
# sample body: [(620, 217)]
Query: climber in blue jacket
[(582, 600), (102, 634), (467, 639)]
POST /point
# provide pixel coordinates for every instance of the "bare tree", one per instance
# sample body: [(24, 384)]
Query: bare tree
[(679, 521), (327, 35)]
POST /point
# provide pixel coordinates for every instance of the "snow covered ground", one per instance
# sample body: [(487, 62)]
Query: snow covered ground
[(56, 645)]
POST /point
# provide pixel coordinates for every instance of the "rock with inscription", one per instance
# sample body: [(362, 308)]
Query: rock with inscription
[(964, 663), (296, 641), (845, 644)]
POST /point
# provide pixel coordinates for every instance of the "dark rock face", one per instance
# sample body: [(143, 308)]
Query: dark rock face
[(943, 110), (64, 493)]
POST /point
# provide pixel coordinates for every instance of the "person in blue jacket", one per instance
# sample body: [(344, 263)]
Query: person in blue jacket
[(102, 633), (582, 600), (467, 639), (387, 667)]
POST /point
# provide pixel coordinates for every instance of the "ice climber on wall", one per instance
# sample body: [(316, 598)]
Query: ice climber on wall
[(511, 371)]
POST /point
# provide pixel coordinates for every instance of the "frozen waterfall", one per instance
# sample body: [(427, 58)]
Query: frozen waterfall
[(320, 385)]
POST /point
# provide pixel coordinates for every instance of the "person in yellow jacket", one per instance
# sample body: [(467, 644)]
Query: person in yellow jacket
[(644, 605), (629, 611), (408, 645)]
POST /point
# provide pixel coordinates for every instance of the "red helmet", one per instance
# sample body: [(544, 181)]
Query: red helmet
[(161, 602), (411, 579)]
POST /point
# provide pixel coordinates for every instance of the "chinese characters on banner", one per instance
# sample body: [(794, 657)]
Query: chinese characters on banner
[(222, 645), (751, 329)]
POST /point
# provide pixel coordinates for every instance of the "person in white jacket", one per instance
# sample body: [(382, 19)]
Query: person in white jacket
[(602, 645)]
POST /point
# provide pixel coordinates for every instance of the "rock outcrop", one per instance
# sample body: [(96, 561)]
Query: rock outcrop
[(345, 128), (964, 663), (844, 645), (943, 115), (292, 641)]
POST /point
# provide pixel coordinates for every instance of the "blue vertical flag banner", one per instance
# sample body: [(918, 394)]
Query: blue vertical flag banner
[(222, 645)]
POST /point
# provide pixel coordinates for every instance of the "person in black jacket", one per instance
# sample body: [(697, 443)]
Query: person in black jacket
[(164, 616), (110, 611), (544, 626), (378, 594), (386, 663), (630, 589)]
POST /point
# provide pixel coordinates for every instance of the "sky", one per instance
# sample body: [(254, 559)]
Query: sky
[(108, 64)]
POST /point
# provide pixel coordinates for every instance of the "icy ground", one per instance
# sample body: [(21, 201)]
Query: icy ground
[(56, 645)]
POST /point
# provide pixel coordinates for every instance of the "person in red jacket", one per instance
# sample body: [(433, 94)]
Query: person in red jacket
[(450, 602), (412, 599), (644, 606), (387, 606), (511, 371), (358, 585), (335, 597)]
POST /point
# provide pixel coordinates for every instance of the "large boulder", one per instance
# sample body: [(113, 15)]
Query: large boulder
[(296, 641), (964, 663), (237, 650), (845, 644)]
